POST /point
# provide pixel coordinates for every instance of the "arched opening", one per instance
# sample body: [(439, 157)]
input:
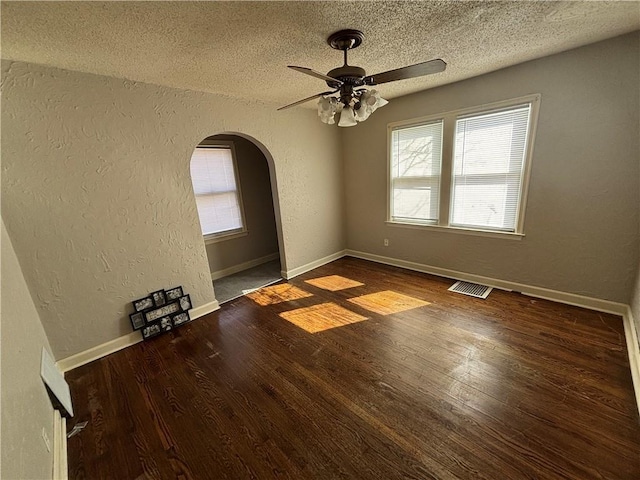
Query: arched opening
[(235, 187)]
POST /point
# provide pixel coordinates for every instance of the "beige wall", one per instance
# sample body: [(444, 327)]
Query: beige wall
[(581, 222), (26, 408), (96, 191), (255, 185)]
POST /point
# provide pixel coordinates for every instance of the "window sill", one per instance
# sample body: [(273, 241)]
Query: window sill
[(221, 237), (463, 231)]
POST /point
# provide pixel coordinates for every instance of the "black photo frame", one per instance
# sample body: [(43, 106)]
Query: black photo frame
[(174, 293), (180, 318), (143, 304), (151, 330), (159, 298), (185, 303), (151, 316), (166, 324), (137, 320)]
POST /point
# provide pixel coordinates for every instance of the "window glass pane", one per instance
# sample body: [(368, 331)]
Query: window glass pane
[(416, 156), (488, 166), (479, 205), (413, 203), (214, 185)]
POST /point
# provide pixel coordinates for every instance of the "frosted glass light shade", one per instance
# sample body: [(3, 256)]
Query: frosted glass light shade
[(363, 112), (327, 109), (375, 100), (347, 118), (366, 102)]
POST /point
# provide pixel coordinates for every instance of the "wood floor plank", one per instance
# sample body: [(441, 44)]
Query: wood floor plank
[(453, 387)]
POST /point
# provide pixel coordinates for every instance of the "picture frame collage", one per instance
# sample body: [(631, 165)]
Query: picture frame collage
[(161, 311)]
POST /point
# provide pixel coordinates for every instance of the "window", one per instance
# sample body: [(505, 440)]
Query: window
[(217, 192), (479, 186), (416, 154)]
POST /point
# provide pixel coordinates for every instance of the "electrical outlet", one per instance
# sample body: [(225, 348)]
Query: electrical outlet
[(45, 437), (386, 242)]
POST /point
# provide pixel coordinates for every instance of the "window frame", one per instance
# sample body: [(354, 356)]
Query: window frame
[(390, 200), (210, 238), (449, 118)]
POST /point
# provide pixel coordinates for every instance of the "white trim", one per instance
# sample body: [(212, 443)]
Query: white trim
[(449, 119), (99, 351), (244, 266), (242, 230), (203, 310), (460, 230), (532, 291), (526, 174), (633, 348), (112, 346), (60, 469), (212, 238), (289, 274)]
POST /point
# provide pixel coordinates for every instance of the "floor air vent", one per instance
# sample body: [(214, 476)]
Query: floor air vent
[(471, 289)]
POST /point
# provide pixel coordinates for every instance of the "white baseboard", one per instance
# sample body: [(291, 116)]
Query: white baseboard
[(289, 274), (60, 470), (99, 351), (244, 266), (538, 292), (112, 346), (203, 310), (633, 347)]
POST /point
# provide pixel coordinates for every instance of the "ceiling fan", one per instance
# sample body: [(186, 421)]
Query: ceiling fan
[(354, 101)]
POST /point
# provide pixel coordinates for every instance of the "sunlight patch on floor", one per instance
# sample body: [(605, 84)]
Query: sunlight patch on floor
[(388, 302), (334, 283), (318, 318), (283, 292)]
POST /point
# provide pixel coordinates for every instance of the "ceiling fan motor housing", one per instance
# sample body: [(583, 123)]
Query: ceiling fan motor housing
[(347, 74)]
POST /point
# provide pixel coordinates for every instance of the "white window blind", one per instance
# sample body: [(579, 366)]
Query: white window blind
[(416, 157), (215, 188), (488, 165)]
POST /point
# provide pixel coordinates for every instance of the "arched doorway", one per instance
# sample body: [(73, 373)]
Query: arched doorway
[(236, 192)]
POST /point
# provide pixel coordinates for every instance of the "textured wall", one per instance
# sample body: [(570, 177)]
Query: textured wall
[(255, 185), (581, 222), (26, 408), (97, 196)]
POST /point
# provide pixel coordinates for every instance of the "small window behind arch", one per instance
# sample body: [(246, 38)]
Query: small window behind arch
[(214, 175)]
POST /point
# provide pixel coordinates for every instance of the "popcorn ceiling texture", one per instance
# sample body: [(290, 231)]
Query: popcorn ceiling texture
[(97, 196), (242, 48)]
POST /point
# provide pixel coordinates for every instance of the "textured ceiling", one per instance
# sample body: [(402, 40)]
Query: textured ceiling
[(242, 49)]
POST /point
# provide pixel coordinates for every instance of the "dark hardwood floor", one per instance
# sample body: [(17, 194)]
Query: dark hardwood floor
[(507, 387)]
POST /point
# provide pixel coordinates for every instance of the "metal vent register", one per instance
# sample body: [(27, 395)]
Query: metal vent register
[(471, 289)]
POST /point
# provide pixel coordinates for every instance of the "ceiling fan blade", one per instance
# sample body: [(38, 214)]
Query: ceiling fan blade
[(306, 99), (411, 71), (313, 73)]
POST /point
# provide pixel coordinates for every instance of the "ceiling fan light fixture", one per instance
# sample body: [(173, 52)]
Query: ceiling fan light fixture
[(362, 112), (372, 100), (380, 102), (355, 103), (347, 117), (327, 109)]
